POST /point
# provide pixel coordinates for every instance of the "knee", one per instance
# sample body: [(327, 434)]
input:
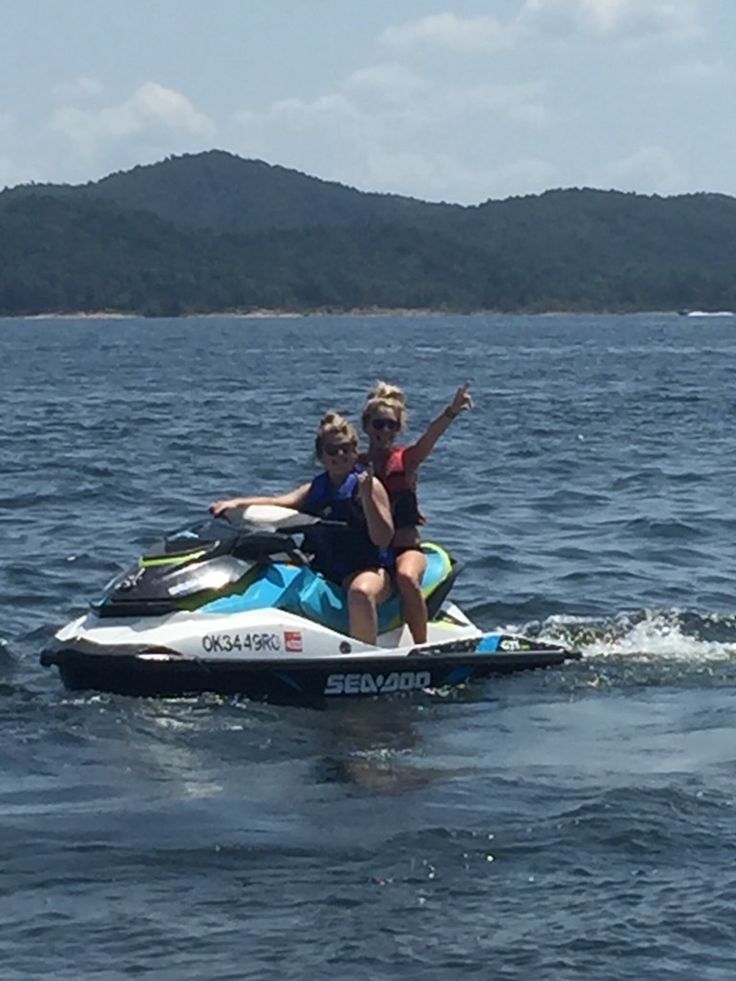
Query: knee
[(360, 592), (407, 582)]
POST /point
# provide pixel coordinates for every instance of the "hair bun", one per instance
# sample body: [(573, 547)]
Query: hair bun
[(385, 396), (387, 392), (333, 424)]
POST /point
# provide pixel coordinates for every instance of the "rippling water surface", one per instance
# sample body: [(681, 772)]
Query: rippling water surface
[(576, 823)]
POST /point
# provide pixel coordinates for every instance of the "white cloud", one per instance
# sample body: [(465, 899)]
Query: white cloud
[(441, 175), (447, 30), (389, 84), (648, 170), (77, 89), (612, 19), (405, 170), (390, 129), (152, 109), (696, 71), (540, 20), (7, 123), (169, 108), (377, 97), (529, 175), (439, 118), (521, 103)]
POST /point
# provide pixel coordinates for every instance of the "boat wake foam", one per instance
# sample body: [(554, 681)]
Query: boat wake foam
[(671, 635)]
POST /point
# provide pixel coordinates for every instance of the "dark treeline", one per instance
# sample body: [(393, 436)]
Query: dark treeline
[(212, 232)]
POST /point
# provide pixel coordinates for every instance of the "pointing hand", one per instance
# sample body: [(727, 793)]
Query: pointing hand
[(462, 400)]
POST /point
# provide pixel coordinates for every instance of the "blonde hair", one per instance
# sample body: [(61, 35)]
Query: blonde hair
[(333, 424), (385, 396)]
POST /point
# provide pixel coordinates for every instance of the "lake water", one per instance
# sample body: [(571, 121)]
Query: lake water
[(578, 823)]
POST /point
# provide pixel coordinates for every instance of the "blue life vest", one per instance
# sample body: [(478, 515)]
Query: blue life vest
[(343, 549)]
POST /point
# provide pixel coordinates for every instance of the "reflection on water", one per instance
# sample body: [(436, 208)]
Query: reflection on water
[(375, 746)]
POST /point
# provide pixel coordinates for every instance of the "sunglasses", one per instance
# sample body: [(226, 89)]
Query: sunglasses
[(390, 424), (345, 448)]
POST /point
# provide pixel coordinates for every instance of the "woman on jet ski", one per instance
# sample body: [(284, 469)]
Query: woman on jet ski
[(351, 552), (383, 418)]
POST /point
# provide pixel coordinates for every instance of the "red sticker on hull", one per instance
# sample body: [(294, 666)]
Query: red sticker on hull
[(293, 641)]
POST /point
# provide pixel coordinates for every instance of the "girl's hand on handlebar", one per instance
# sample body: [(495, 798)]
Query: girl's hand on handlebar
[(219, 507)]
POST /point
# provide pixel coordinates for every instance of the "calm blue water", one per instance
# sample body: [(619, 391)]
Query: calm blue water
[(576, 823)]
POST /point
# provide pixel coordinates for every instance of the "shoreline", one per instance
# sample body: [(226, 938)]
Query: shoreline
[(257, 314), (280, 314)]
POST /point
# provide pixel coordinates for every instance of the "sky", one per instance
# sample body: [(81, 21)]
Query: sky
[(461, 100)]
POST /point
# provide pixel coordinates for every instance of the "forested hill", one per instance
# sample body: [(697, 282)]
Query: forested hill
[(212, 232)]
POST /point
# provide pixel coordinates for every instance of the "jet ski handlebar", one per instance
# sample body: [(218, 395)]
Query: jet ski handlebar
[(271, 517)]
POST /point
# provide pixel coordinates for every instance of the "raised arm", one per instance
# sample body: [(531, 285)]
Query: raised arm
[(376, 508), (292, 499), (419, 451)]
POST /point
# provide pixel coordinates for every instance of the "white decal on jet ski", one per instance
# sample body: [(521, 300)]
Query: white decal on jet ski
[(514, 644), (365, 683), (132, 579), (226, 643)]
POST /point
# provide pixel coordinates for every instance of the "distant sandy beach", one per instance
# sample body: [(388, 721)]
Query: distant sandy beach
[(263, 314)]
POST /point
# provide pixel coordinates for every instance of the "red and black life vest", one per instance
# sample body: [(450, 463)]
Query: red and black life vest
[(401, 489)]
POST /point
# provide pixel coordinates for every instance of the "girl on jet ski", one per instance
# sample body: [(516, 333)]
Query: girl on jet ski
[(352, 552), (383, 418)]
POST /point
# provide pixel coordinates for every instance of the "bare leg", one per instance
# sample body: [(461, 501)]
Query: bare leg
[(365, 590), (410, 568)]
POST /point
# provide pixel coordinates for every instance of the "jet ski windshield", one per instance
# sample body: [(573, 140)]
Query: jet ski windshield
[(203, 537), (258, 530)]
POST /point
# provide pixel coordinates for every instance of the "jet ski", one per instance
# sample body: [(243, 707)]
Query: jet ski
[(231, 605)]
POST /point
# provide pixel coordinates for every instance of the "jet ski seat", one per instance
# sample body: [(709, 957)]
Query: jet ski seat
[(299, 590), (312, 596)]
